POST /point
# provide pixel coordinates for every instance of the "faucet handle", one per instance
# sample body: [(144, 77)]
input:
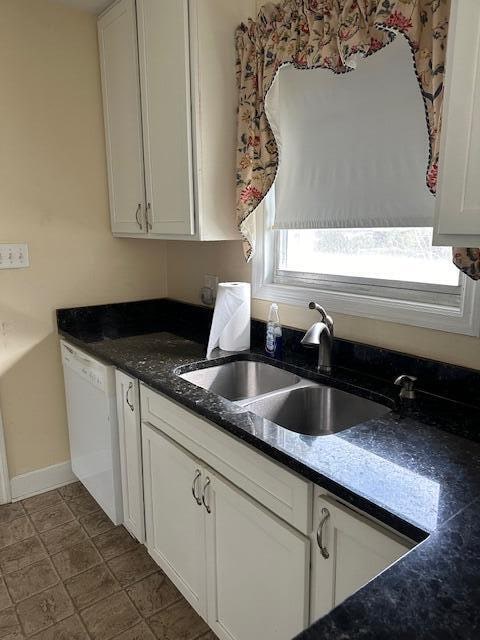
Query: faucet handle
[(407, 383), (328, 320)]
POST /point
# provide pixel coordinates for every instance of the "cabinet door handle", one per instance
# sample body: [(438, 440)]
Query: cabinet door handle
[(137, 214), (198, 500), (205, 487), (147, 216), (127, 394), (321, 526)]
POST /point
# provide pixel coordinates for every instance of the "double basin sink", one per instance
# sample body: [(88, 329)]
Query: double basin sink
[(295, 403)]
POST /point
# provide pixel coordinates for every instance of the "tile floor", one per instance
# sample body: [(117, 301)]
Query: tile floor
[(66, 573)]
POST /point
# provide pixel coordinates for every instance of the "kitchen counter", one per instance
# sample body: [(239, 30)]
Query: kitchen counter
[(402, 469)]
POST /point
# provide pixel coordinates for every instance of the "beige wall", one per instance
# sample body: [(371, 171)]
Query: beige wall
[(188, 262), (53, 195)]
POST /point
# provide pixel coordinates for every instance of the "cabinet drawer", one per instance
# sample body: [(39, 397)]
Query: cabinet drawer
[(279, 490)]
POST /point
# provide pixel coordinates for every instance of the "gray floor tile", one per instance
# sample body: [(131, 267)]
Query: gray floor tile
[(44, 609), (62, 537), (92, 585), (153, 593), (5, 600), (9, 625), (51, 517), (109, 617), (83, 505), (69, 629), (15, 531), (9, 512), (132, 566), (139, 632), (74, 560), (30, 580), (73, 491), (178, 622), (21, 554), (42, 501), (114, 543), (96, 523)]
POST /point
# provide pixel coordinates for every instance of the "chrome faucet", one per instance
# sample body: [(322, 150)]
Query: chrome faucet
[(321, 334), (407, 383)]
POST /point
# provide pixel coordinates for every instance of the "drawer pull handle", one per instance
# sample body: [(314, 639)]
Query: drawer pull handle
[(205, 487), (321, 526), (130, 387), (198, 500)]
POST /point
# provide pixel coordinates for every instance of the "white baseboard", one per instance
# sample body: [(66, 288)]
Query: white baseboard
[(30, 484)]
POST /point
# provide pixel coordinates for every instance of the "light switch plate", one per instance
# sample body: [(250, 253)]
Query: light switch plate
[(14, 256)]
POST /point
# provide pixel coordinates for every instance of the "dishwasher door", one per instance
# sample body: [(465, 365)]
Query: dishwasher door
[(93, 428)]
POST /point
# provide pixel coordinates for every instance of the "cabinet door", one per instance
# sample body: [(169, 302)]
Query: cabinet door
[(175, 523), (163, 32), (128, 411), (258, 568), (215, 101), (458, 202), (355, 551), (117, 34)]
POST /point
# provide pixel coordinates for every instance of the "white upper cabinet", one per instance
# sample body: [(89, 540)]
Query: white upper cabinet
[(174, 62), (163, 28), (117, 33), (458, 201)]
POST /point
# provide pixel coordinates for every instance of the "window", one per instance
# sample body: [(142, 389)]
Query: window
[(386, 262), (291, 267), (353, 154)]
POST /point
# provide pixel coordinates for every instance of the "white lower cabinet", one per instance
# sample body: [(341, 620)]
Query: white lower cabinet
[(243, 569), (233, 530), (174, 517), (257, 568), (130, 440), (349, 551)]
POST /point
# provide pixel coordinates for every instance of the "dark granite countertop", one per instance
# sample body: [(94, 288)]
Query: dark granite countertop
[(409, 469)]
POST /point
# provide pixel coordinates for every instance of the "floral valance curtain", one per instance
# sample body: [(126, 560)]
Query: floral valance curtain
[(328, 34)]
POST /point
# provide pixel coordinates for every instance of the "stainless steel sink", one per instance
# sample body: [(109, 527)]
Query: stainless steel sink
[(316, 410), (242, 379)]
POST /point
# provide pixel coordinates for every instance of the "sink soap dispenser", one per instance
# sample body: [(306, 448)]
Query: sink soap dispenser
[(274, 338)]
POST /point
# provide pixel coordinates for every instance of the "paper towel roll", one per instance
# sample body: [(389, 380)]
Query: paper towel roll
[(231, 318)]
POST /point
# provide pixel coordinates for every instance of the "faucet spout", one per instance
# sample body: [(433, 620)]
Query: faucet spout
[(320, 335)]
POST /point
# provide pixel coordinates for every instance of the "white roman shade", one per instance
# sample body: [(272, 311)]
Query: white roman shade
[(353, 147)]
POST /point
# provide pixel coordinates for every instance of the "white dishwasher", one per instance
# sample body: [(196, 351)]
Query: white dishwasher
[(93, 428)]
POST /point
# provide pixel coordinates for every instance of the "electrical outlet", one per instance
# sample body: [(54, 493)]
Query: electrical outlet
[(211, 282), (208, 292), (14, 256)]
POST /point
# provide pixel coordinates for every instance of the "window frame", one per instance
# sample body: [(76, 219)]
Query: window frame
[(398, 290), (427, 306)]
